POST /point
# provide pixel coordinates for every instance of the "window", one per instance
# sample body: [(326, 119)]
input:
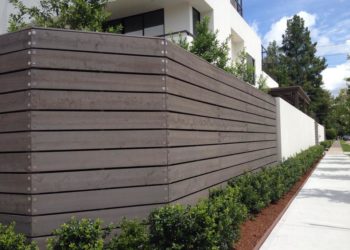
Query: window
[(146, 24), (250, 60), (154, 23), (238, 5), (133, 25), (196, 17)]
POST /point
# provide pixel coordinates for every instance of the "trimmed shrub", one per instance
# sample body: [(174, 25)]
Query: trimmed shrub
[(326, 144), (254, 190), (134, 235), (259, 189), (228, 213), (211, 224), (84, 234), (182, 227), (10, 240), (169, 227)]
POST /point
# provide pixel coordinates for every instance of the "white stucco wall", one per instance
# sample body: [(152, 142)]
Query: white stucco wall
[(269, 81), (321, 133), (178, 18), (228, 21), (296, 130)]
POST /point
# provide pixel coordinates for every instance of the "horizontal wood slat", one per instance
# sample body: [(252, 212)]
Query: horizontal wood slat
[(189, 186), (100, 199), (62, 120), (186, 138), (15, 41), (195, 153), (81, 180), (80, 140), (18, 121), (81, 160), (79, 100), (184, 105), (96, 42), (15, 81), (17, 101), (182, 121), (80, 201), (78, 80), (86, 61), (15, 61), (82, 80), (58, 120)]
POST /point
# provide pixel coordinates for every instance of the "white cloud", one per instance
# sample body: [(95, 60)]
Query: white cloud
[(326, 47), (255, 26), (278, 28), (333, 77)]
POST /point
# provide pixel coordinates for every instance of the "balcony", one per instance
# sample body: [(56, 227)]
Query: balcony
[(237, 4)]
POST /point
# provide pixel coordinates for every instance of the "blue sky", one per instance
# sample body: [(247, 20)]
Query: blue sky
[(328, 21)]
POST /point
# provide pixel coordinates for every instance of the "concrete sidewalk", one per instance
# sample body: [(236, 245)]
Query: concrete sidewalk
[(319, 217)]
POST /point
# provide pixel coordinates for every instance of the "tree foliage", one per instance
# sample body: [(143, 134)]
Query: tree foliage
[(206, 45), (295, 63), (242, 69), (87, 15), (339, 118)]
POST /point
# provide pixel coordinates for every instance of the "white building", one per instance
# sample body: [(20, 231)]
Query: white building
[(171, 17)]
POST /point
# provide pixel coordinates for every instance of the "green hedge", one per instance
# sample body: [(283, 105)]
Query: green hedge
[(327, 144), (259, 189), (213, 223)]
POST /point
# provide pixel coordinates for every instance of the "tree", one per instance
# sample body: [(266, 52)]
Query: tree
[(273, 65), (339, 118), (304, 67), (242, 69), (295, 63), (87, 15), (206, 45), (299, 53)]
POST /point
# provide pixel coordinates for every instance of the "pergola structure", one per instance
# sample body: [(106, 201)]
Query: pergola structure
[(295, 95)]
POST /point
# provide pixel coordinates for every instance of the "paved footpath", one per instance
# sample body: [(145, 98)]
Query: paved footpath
[(319, 217)]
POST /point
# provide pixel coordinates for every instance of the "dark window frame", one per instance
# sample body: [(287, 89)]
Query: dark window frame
[(195, 13), (142, 15), (238, 5)]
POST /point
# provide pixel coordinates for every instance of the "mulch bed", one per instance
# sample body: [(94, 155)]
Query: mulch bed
[(253, 231)]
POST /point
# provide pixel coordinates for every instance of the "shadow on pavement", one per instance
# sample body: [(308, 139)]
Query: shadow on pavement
[(332, 169), (332, 177), (331, 195)]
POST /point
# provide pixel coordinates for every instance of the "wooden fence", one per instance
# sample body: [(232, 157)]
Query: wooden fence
[(103, 126)]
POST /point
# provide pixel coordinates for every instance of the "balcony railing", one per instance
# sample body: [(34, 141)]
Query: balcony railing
[(238, 6)]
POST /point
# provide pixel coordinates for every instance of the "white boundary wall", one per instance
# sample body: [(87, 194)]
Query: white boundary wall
[(296, 130), (321, 133)]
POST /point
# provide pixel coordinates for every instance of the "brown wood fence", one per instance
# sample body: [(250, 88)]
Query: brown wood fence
[(104, 126)]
